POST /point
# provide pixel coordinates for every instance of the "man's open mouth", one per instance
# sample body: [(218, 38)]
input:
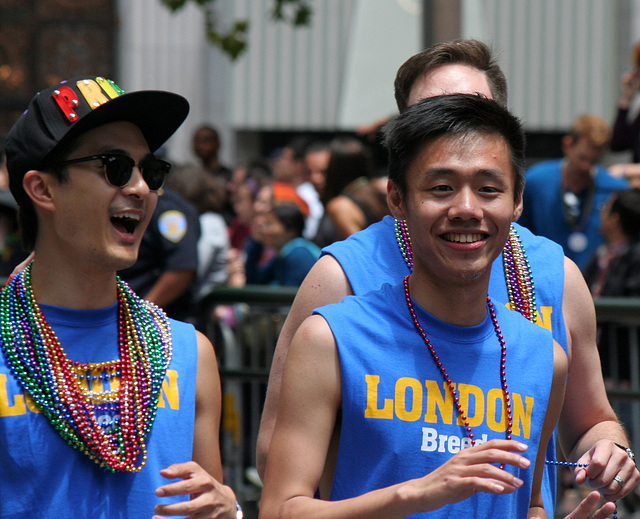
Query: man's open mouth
[(125, 223)]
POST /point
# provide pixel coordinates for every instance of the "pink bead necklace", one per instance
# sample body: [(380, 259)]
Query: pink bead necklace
[(445, 374)]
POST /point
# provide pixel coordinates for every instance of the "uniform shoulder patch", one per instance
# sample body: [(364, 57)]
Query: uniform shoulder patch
[(173, 225)]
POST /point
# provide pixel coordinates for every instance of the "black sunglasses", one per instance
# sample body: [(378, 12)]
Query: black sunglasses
[(118, 168)]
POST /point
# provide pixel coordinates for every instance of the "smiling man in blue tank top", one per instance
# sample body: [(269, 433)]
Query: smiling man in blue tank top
[(422, 399), (108, 408)]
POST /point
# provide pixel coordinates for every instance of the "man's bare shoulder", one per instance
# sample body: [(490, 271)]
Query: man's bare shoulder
[(574, 282), (313, 360), (327, 280), (315, 332), (578, 311)]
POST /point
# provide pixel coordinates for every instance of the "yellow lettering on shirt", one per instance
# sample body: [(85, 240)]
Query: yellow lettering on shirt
[(18, 404), (521, 415), (170, 390), (475, 413), (410, 400), (372, 410), (7, 408), (31, 405), (496, 407), (442, 401), (402, 385), (544, 316)]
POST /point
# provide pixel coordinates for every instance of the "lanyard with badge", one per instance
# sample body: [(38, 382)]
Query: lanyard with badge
[(577, 218)]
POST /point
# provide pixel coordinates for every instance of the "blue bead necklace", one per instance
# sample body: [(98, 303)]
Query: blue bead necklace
[(572, 464)]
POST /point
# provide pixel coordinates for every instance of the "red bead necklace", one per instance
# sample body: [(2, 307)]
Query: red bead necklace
[(447, 378)]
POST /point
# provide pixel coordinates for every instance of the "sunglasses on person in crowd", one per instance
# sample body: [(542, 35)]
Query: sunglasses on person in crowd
[(118, 168)]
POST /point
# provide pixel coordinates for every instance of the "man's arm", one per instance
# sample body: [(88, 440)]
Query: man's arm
[(325, 283), (170, 286), (588, 425), (309, 403), (554, 408), (202, 478), (347, 217)]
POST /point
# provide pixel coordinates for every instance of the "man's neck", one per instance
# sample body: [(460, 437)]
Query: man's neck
[(71, 287), (576, 181), (457, 304)]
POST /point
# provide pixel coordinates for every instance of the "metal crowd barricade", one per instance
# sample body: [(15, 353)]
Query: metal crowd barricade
[(246, 336), (618, 322), (244, 325), (618, 342)]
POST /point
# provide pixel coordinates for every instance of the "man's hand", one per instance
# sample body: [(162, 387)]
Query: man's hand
[(209, 499), (609, 470), (471, 470), (587, 506)]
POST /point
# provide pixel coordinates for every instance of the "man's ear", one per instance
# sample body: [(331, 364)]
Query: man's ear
[(395, 200), (37, 185), (517, 210)]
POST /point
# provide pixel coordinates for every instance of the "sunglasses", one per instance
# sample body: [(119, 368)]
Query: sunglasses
[(118, 168)]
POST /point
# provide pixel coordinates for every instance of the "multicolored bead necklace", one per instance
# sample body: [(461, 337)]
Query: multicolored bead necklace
[(55, 383), (404, 242), (445, 374), (517, 274), (517, 271)]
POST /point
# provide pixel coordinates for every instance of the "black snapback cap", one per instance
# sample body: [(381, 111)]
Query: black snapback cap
[(60, 113)]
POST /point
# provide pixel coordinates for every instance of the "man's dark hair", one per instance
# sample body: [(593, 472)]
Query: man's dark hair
[(27, 217), (209, 129), (290, 216), (316, 146), (472, 53), (299, 147), (451, 115), (626, 204), (350, 159)]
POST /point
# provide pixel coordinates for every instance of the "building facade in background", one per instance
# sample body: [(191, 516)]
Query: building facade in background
[(560, 58)]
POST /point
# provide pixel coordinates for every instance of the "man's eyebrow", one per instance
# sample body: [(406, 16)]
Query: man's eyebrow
[(114, 149), (484, 172)]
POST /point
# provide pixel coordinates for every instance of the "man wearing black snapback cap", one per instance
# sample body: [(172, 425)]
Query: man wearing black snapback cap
[(103, 399)]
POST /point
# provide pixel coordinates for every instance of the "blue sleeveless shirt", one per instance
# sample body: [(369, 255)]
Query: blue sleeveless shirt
[(372, 257), (399, 421), (42, 476)]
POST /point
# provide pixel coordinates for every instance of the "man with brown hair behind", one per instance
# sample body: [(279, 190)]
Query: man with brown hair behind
[(563, 197)]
